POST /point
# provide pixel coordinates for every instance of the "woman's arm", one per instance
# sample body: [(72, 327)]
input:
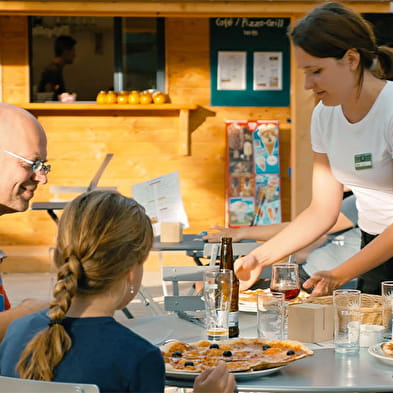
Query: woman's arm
[(314, 221), (260, 232), (374, 254)]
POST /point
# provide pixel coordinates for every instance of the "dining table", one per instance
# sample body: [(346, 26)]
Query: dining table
[(324, 371)]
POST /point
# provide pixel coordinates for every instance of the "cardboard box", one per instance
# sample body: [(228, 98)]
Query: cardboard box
[(310, 322), (171, 232)]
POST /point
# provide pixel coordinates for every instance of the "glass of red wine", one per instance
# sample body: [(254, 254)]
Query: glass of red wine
[(285, 279)]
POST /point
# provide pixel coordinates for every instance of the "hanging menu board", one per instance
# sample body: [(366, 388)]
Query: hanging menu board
[(253, 173), (249, 61)]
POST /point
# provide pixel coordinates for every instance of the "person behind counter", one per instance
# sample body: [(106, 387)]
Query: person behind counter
[(352, 140), (103, 240), (52, 77)]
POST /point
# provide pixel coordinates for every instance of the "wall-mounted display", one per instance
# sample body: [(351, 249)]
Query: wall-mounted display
[(253, 173), (249, 61)]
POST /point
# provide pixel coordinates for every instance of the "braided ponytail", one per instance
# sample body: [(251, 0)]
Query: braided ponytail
[(101, 235), (45, 351)]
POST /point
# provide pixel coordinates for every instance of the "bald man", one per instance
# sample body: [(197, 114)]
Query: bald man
[(23, 168)]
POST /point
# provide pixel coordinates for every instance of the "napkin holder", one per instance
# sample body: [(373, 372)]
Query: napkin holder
[(310, 322), (171, 232)]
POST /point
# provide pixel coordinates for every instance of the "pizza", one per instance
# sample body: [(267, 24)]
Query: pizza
[(250, 296), (387, 348), (240, 354)]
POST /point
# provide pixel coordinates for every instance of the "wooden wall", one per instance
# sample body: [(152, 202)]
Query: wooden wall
[(148, 146), (144, 146)]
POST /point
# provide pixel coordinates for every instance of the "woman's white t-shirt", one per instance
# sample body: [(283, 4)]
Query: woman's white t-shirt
[(360, 155)]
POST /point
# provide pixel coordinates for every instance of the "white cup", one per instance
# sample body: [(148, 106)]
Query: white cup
[(217, 291), (346, 308), (370, 335), (271, 313)]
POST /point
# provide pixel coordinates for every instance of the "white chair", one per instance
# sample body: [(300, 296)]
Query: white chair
[(213, 251), (18, 385), (179, 303), (57, 190), (3, 255)]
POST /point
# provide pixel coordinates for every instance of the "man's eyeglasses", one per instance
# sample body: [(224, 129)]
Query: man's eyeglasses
[(36, 166)]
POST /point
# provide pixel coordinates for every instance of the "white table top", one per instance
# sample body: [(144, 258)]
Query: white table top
[(325, 371)]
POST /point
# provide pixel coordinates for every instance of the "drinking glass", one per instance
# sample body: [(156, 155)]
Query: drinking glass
[(347, 316), (217, 291), (270, 317), (387, 302), (285, 279)]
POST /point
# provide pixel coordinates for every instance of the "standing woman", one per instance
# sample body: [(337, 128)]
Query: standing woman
[(352, 140), (103, 240)]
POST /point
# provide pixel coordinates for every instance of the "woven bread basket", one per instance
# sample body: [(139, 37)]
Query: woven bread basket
[(371, 307)]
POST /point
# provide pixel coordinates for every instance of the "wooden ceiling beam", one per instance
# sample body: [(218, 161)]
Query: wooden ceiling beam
[(175, 8)]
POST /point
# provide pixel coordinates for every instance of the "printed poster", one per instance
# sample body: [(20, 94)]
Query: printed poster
[(231, 72), (162, 200), (267, 71), (253, 177)]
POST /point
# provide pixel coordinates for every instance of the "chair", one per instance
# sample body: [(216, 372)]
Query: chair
[(18, 385), (56, 190), (188, 305), (177, 302), (3, 256), (213, 251)]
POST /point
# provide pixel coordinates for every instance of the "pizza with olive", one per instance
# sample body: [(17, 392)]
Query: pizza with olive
[(240, 354)]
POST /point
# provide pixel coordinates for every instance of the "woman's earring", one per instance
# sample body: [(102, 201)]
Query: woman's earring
[(131, 289)]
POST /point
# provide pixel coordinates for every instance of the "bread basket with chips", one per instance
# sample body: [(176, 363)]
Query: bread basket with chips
[(371, 307)]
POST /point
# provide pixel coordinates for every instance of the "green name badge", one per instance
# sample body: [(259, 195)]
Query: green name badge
[(363, 161)]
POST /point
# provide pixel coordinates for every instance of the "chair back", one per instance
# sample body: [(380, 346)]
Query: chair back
[(176, 274), (18, 385), (213, 251)]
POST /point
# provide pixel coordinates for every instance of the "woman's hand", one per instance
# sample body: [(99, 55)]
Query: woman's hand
[(323, 283), (247, 270), (215, 379)]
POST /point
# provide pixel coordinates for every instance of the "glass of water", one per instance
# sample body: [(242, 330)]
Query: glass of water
[(271, 313)]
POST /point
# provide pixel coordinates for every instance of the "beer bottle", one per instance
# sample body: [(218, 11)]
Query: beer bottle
[(226, 262)]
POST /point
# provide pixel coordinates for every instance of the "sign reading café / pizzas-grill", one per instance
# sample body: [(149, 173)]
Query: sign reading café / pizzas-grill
[(249, 23)]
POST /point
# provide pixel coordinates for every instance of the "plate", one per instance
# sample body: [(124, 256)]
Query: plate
[(248, 307), (376, 351), (239, 376)]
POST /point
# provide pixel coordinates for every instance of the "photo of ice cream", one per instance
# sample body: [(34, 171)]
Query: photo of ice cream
[(261, 162), (268, 134), (235, 138), (241, 211), (247, 146)]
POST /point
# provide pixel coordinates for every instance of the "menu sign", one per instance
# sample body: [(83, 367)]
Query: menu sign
[(253, 175)]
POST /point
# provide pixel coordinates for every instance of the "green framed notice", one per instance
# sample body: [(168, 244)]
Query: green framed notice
[(249, 61)]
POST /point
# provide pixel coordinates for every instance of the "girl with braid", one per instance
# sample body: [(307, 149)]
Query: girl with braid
[(103, 240)]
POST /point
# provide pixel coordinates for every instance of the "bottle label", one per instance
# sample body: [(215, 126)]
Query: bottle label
[(233, 319)]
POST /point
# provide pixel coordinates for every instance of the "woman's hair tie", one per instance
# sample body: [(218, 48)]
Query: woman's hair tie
[(55, 322)]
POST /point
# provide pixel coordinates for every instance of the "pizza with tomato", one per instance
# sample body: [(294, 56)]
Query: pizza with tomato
[(240, 354)]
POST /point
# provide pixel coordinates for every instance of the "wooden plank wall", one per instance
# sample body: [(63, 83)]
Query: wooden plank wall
[(144, 146)]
